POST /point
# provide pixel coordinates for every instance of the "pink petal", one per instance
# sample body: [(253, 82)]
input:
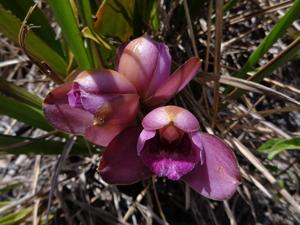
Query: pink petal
[(156, 119), (145, 63), (113, 117), (218, 177), (182, 118), (74, 96), (61, 115), (143, 137), (104, 82), (162, 69), (103, 135), (180, 78), (120, 163), (172, 163), (164, 115)]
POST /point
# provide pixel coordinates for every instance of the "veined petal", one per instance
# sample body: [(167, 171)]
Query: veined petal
[(182, 118), (156, 119), (104, 82), (177, 81), (61, 115), (162, 69), (218, 177), (113, 117), (164, 115), (120, 163), (171, 163), (145, 63)]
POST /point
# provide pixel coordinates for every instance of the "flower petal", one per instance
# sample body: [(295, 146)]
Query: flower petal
[(218, 177), (143, 59), (164, 115), (156, 119), (74, 96), (103, 135), (172, 163), (104, 82), (113, 117), (182, 118), (143, 137), (61, 115), (162, 69), (120, 163), (180, 78)]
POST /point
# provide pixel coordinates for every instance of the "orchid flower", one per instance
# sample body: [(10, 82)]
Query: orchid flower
[(100, 104), (147, 64), (97, 104), (170, 145)]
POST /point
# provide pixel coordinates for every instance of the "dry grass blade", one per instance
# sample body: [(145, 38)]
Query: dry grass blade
[(258, 165), (217, 59), (229, 213), (131, 209), (28, 142), (24, 29), (161, 212), (190, 27), (208, 41), (270, 9), (256, 87), (246, 85)]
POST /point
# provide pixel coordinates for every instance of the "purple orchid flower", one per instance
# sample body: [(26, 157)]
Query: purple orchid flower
[(97, 104), (170, 145), (147, 64), (100, 104)]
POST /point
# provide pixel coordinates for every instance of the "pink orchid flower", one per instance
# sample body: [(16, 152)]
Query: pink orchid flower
[(100, 104), (147, 64), (97, 104), (170, 145)]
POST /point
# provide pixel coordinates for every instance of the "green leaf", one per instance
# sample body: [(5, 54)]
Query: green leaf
[(19, 93), (115, 19), (44, 30), (277, 145), (15, 217), (288, 54), (10, 26), (66, 19), (277, 32), (87, 33), (145, 16), (23, 112), (37, 146)]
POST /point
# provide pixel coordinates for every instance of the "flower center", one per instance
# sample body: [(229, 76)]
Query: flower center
[(170, 136)]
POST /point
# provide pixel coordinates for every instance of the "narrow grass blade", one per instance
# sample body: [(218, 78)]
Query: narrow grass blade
[(65, 17), (20, 145), (19, 93), (275, 146), (277, 32), (23, 112), (16, 217)]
